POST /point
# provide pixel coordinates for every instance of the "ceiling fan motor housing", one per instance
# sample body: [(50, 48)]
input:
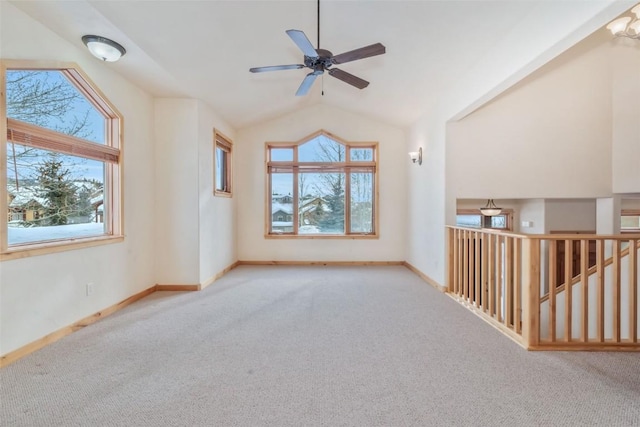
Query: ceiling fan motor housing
[(321, 62)]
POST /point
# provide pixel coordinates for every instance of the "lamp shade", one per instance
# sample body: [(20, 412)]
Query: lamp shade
[(490, 209), (103, 48)]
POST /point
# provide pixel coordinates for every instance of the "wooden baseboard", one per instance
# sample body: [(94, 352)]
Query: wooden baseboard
[(198, 287), (424, 277), (327, 263), (60, 333), (177, 287), (219, 275)]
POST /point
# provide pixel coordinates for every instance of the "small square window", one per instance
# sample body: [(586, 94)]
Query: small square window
[(222, 167)]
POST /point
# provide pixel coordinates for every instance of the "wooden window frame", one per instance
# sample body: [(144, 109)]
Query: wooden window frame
[(110, 153), (220, 141), (506, 212), (348, 167)]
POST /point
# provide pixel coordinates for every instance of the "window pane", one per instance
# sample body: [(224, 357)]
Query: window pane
[(281, 154), (48, 99), (53, 196), (321, 149), (469, 220), (361, 154), (321, 209), (361, 202), (281, 202), (630, 222), (221, 169), (499, 221)]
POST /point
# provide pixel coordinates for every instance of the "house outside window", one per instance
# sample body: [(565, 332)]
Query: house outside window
[(326, 187), (222, 168), (62, 149)]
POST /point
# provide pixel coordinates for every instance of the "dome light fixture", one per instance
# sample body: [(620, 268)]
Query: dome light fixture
[(490, 209), (619, 27), (104, 48)]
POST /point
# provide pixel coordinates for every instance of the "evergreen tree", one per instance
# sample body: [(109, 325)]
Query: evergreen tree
[(56, 188)]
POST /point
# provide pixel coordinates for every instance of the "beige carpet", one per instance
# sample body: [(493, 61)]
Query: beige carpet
[(311, 346)]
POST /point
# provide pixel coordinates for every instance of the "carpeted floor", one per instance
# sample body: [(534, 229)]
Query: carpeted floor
[(311, 346)]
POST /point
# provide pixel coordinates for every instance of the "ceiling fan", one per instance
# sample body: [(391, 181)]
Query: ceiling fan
[(321, 60)]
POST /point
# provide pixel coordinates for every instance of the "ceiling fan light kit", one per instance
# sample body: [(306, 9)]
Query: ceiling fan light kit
[(321, 60)]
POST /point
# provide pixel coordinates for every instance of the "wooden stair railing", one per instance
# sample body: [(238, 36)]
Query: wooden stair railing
[(590, 271), (499, 275)]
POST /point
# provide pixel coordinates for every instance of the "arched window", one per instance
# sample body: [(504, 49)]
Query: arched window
[(63, 156), (333, 183)]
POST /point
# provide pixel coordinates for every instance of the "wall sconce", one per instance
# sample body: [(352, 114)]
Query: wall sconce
[(103, 48), (416, 156), (490, 209)]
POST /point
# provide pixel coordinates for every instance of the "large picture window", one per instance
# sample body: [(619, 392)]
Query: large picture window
[(61, 183), (322, 187)]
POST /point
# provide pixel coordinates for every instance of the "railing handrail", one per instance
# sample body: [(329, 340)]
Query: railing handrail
[(626, 236)]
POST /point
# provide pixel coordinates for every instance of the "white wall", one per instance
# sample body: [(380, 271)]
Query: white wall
[(626, 116), (251, 187), (41, 294), (217, 215), (533, 211), (195, 229), (176, 130), (427, 207), (548, 137), (570, 215)]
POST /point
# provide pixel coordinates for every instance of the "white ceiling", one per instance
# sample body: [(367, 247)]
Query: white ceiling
[(204, 49)]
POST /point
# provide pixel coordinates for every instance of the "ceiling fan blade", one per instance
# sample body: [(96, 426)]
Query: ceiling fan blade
[(363, 52), (306, 84), (348, 78), (276, 68), (303, 43)]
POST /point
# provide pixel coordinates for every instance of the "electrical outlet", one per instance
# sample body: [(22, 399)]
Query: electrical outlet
[(89, 289)]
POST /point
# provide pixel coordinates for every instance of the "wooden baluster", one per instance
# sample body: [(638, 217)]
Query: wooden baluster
[(615, 279), (508, 320), (471, 267), (492, 275), (451, 259), (476, 293), (568, 288), (459, 287), (633, 290), (485, 272), (553, 283), (465, 265), (517, 285), (499, 279), (600, 287), (584, 279)]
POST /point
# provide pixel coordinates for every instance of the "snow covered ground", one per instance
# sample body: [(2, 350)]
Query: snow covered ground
[(19, 235)]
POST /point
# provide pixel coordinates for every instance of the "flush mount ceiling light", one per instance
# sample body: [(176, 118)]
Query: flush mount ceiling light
[(627, 26), (103, 48), (490, 209)]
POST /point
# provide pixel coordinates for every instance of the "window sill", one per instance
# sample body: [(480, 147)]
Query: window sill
[(218, 193), (37, 249)]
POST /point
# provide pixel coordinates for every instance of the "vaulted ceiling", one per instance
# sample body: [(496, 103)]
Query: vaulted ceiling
[(436, 50)]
